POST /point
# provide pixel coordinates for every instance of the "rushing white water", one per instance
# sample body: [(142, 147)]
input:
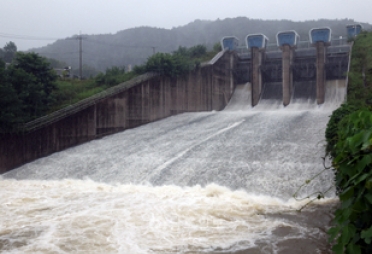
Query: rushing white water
[(212, 182)]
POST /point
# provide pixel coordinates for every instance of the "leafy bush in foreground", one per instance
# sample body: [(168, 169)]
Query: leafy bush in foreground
[(349, 139), (332, 126), (26, 90), (353, 164)]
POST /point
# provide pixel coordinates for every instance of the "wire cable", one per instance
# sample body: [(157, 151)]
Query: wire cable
[(27, 37)]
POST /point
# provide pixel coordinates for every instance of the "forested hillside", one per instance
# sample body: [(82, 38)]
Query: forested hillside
[(133, 46)]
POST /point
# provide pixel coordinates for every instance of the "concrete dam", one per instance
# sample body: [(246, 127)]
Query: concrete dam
[(292, 71), (193, 166)]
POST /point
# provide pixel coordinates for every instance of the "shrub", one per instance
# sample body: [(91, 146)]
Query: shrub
[(353, 168), (349, 140), (176, 64), (332, 126)]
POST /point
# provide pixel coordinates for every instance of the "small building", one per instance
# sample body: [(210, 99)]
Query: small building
[(256, 41), (230, 43), (353, 30), (63, 73), (287, 38), (320, 35)]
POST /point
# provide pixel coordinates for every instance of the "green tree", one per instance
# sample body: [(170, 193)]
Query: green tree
[(54, 63), (168, 65), (217, 47), (353, 168), (111, 77), (11, 109), (176, 64), (183, 51), (193, 52), (360, 75), (89, 71), (139, 69), (197, 51), (161, 63), (10, 50), (28, 84), (1, 54), (333, 126)]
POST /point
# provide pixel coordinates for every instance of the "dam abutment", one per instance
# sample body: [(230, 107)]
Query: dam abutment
[(320, 71)]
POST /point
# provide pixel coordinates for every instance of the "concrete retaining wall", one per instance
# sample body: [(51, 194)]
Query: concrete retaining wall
[(127, 106)]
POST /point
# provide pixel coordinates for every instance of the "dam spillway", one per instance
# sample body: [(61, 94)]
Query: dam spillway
[(192, 149), (210, 182), (291, 68)]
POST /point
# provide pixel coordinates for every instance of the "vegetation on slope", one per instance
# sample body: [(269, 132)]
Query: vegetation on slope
[(359, 94), (176, 64), (349, 143)]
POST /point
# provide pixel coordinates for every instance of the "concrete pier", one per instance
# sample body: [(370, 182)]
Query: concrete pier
[(320, 38), (257, 56), (320, 71), (256, 43), (287, 42), (287, 74)]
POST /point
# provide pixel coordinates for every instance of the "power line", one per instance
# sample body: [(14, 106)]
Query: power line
[(27, 37), (80, 39), (30, 37), (120, 45), (51, 53)]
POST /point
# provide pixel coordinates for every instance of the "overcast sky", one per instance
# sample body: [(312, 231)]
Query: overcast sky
[(50, 19)]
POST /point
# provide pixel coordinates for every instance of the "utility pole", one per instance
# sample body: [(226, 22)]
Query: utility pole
[(80, 56), (80, 38), (153, 50)]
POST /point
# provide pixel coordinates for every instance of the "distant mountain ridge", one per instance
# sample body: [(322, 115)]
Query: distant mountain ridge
[(133, 46)]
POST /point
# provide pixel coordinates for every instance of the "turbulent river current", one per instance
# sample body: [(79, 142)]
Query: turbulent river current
[(210, 182)]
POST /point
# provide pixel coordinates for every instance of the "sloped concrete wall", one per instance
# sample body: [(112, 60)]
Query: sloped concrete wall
[(207, 88)]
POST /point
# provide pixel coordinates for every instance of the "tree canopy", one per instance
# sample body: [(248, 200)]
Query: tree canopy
[(9, 52), (174, 64), (26, 88)]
